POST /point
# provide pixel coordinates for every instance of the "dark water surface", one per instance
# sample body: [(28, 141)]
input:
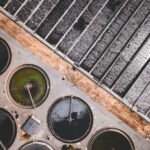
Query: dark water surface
[(7, 128), (4, 56), (111, 140), (70, 119), (36, 146)]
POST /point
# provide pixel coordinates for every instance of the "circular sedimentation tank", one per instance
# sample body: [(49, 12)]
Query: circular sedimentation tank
[(70, 119), (8, 129), (5, 56), (111, 139), (28, 86), (36, 146)]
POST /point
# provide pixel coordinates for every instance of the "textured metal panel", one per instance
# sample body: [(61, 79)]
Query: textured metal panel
[(107, 40)]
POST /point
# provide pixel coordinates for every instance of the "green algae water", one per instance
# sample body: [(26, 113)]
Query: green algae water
[(38, 83)]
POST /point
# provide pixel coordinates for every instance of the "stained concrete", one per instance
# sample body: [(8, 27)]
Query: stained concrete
[(59, 88)]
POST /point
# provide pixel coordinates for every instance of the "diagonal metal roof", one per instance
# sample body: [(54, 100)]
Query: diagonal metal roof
[(108, 40)]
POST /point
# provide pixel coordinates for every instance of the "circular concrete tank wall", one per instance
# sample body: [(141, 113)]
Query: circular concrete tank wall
[(29, 86), (5, 56), (111, 139), (7, 129), (70, 119), (36, 146)]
